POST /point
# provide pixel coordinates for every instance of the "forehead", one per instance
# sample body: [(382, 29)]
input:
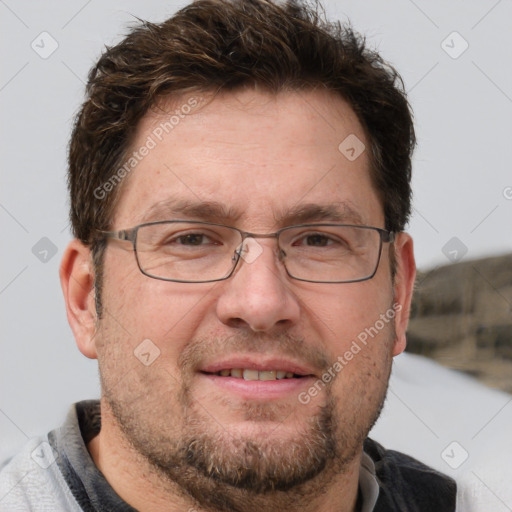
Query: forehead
[(252, 157)]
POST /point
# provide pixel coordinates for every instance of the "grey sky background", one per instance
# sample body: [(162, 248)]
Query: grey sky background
[(454, 57)]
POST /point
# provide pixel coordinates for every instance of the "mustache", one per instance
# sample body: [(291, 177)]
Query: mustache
[(200, 350)]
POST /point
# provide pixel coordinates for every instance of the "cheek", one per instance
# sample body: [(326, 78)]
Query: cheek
[(347, 312), (362, 367), (141, 308), (356, 327)]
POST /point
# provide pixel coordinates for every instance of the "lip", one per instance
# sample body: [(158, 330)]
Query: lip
[(258, 362), (255, 389), (258, 390)]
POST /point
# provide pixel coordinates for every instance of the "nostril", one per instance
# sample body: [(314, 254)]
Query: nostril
[(236, 323)]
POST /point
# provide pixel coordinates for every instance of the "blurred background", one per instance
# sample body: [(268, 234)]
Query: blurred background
[(462, 318), (454, 58)]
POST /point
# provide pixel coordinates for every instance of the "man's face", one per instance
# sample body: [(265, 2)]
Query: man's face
[(258, 162)]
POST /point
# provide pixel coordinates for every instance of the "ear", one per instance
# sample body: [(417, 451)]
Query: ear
[(403, 288), (77, 282)]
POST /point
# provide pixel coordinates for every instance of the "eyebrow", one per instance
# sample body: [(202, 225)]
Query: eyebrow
[(204, 210), (212, 211), (340, 212)]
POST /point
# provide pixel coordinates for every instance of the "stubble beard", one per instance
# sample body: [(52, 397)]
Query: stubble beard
[(226, 472)]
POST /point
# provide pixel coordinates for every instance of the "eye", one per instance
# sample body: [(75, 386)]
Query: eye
[(180, 237), (192, 239), (317, 240)]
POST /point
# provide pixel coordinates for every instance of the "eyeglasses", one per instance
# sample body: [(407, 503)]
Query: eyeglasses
[(202, 252)]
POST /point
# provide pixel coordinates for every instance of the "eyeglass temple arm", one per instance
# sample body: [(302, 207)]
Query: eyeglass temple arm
[(123, 234), (387, 236)]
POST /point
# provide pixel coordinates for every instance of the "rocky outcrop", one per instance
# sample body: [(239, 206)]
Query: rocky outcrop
[(462, 317)]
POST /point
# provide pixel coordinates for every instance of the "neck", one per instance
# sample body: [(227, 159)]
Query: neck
[(142, 486)]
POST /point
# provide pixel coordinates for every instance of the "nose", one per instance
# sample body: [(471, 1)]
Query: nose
[(258, 295)]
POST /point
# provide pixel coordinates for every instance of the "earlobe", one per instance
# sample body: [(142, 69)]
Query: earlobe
[(77, 282), (403, 288)]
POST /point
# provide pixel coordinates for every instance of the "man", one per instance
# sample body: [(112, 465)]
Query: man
[(240, 182)]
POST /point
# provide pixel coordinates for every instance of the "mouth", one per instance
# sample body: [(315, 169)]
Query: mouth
[(253, 374), (258, 378)]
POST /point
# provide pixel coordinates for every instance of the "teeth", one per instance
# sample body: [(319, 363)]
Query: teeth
[(251, 374), (248, 374), (267, 375)]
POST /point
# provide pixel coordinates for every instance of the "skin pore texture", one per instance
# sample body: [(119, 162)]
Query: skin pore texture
[(175, 437)]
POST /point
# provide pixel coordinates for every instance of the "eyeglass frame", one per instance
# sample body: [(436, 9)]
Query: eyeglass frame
[(130, 235)]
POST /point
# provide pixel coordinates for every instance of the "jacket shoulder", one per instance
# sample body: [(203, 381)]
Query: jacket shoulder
[(407, 484), (31, 481)]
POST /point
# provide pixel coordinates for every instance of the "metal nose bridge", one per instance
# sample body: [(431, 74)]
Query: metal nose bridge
[(239, 252), (248, 234)]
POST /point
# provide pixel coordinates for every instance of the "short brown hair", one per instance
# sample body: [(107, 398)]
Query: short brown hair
[(214, 45)]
